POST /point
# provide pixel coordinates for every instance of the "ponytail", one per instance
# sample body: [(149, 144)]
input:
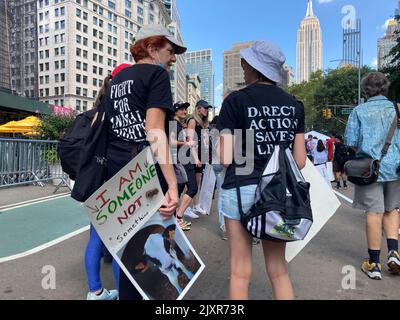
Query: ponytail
[(106, 85)]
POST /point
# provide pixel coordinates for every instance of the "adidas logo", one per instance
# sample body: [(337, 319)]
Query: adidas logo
[(288, 194)]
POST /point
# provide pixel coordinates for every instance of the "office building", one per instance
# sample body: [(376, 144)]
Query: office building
[(200, 62), (309, 46), (233, 76)]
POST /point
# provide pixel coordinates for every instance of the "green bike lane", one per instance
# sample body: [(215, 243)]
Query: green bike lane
[(39, 224)]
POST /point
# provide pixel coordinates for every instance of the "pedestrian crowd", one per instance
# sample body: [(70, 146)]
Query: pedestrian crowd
[(140, 113)]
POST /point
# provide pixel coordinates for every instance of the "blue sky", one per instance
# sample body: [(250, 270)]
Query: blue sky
[(217, 24)]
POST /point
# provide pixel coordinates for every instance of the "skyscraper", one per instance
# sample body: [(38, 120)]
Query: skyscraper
[(287, 76), (193, 89), (233, 71), (309, 46), (352, 44), (23, 41), (387, 43), (81, 42), (5, 76), (200, 62), (178, 72)]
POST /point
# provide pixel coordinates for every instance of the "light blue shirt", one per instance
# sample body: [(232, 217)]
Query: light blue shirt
[(367, 130), (320, 157)]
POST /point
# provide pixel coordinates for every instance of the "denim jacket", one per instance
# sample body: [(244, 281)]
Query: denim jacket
[(367, 129)]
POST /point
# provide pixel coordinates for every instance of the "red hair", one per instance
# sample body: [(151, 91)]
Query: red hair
[(140, 51)]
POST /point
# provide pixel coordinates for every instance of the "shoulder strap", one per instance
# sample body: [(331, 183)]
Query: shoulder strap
[(238, 193), (395, 125)]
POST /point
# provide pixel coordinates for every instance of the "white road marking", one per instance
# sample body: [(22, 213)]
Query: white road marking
[(343, 197), (30, 202), (44, 246)]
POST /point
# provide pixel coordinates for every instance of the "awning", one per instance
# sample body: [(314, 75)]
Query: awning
[(17, 103)]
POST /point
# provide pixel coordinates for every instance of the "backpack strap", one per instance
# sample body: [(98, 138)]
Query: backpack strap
[(395, 125), (240, 207)]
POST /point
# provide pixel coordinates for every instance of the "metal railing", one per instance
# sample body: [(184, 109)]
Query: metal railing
[(24, 161)]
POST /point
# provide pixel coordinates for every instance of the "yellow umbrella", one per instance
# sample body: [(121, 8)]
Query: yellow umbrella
[(28, 122), (22, 126)]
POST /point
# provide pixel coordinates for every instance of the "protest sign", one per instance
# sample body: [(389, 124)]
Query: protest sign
[(160, 261), (324, 204), (207, 189), (154, 254), (329, 168), (126, 201)]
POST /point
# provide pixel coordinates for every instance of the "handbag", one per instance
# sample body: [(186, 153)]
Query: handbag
[(365, 171)]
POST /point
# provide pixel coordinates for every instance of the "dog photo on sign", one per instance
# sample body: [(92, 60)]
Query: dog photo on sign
[(160, 260)]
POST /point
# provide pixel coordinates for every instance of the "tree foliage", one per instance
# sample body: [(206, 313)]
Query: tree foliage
[(393, 71), (333, 87), (52, 126)]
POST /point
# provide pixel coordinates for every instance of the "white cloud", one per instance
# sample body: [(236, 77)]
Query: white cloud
[(374, 63), (219, 87), (324, 1)]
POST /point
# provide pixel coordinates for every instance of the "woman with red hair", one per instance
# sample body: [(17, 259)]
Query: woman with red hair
[(137, 105)]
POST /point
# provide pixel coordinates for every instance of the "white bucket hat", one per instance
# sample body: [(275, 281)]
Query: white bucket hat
[(267, 58), (153, 30)]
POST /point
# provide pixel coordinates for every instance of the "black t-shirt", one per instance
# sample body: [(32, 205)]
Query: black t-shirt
[(180, 135), (133, 91), (202, 135), (272, 115)]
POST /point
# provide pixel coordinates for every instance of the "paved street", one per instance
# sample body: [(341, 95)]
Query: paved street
[(316, 271)]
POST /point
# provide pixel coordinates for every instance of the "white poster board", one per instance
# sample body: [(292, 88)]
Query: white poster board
[(329, 168), (207, 188), (124, 212), (324, 204)]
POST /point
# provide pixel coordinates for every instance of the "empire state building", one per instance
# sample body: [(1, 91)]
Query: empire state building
[(309, 46)]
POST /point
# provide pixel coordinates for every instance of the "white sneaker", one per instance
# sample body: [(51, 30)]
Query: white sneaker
[(105, 295), (189, 213), (200, 210)]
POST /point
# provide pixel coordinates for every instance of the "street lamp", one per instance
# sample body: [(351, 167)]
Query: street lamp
[(359, 62)]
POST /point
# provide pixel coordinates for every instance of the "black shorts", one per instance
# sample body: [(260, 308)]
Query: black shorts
[(191, 184), (338, 167)]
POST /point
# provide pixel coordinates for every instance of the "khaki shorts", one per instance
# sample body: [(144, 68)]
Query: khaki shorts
[(378, 197)]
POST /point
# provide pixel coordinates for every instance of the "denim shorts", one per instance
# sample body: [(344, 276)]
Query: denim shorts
[(228, 201)]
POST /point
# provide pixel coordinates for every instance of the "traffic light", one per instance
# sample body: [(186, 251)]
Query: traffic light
[(327, 113)]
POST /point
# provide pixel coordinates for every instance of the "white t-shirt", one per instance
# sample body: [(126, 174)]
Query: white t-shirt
[(320, 157)]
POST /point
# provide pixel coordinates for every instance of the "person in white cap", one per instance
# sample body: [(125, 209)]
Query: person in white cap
[(137, 105), (274, 117)]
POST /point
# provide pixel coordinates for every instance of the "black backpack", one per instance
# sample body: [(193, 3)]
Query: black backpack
[(282, 208), (71, 143)]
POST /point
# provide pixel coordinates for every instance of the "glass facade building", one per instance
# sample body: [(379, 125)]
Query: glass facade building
[(200, 62)]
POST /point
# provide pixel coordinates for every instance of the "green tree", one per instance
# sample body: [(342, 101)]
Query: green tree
[(333, 87), (393, 71), (306, 92), (54, 125)]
